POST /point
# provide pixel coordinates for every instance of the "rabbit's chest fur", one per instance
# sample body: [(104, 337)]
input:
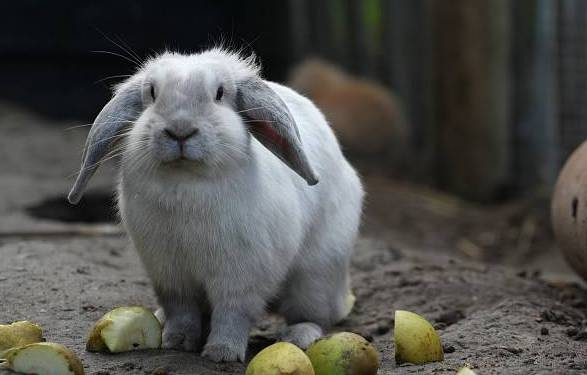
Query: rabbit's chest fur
[(222, 235)]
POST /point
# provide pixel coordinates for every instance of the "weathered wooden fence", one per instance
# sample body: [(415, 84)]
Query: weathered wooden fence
[(495, 90)]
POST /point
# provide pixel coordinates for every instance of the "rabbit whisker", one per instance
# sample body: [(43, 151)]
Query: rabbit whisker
[(77, 126), (253, 121), (94, 165), (128, 49), (113, 77), (251, 109), (116, 154), (97, 123), (140, 157), (119, 151), (131, 54), (234, 149), (118, 135), (119, 55)]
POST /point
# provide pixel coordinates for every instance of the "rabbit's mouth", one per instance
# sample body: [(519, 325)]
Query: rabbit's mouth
[(183, 164), (187, 151), (184, 160)]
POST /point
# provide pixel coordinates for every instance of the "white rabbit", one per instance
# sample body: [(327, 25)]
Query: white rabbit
[(212, 193)]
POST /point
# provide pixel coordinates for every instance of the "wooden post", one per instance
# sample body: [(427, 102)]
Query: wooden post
[(572, 75), (472, 94), (322, 37), (407, 66), (299, 28), (535, 94), (357, 38)]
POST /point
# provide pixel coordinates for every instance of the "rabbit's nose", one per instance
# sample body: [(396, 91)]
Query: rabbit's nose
[(180, 136)]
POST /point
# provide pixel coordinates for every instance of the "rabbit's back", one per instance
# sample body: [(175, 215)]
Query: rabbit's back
[(338, 180), (335, 203)]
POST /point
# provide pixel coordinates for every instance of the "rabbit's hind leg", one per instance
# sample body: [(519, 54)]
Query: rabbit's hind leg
[(316, 296)]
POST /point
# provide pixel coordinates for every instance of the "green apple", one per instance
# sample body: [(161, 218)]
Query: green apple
[(416, 341), (343, 353), (281, 358)]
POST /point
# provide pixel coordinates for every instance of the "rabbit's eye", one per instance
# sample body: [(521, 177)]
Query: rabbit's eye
[(219, 93), (152, 92)]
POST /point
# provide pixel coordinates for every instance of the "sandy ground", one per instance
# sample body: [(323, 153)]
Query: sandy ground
[(489, 278)]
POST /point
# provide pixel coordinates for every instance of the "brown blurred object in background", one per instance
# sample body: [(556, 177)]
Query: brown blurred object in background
[(569, 210), (366, 117)]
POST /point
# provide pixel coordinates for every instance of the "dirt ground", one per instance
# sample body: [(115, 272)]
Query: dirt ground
[(489, 278)]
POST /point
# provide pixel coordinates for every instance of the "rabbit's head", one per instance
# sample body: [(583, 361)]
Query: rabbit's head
[(194, 112)]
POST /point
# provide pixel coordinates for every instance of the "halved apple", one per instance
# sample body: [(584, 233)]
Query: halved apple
[(19, 334), (43, 358), (124, 329)]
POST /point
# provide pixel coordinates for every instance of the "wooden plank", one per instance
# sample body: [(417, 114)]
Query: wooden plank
[(323, 38), (535, 94), (472, 94), (407, 66), (299, 26), (360, 61), (572, 75)]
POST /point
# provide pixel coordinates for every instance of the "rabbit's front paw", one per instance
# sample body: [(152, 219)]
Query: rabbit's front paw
[(224, 353), (181, 333)]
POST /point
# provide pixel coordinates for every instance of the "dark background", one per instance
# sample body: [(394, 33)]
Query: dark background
[(494, 94), (494, 90), (46, 58)]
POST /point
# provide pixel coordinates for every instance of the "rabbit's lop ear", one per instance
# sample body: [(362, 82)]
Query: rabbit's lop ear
[(120, 112), (274, 125)]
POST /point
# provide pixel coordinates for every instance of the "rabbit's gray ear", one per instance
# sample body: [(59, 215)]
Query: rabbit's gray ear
[(121, 111), (273, 125)]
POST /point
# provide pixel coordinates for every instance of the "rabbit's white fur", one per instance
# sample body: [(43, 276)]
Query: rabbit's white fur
[(226, 239)]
